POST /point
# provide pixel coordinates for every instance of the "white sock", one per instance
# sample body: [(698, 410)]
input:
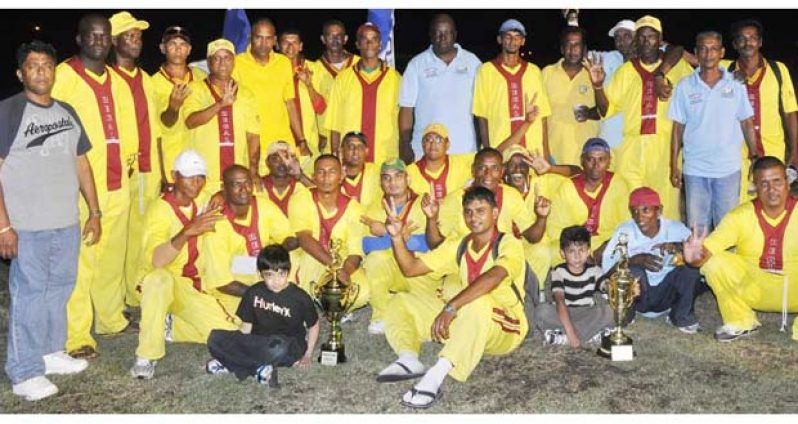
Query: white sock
[(433, 379), (410, 359)]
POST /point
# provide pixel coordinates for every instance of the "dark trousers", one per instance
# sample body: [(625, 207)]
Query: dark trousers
[(243, 354), (677, 291)]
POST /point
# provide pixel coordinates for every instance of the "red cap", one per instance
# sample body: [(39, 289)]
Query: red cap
[(644, 196)]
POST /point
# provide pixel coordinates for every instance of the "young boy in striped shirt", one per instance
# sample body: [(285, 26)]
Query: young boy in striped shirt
[(578, 315)]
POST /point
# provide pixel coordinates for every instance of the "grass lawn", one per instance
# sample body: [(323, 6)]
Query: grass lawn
[(673, 373)]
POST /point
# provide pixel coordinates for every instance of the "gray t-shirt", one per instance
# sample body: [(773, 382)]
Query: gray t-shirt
[(39, 146)]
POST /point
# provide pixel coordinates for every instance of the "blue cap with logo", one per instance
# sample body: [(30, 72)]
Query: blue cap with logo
[(512, 25)]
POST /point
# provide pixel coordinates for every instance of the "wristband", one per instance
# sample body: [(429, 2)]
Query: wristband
[(659, 74), (5, 229), (95, 212)]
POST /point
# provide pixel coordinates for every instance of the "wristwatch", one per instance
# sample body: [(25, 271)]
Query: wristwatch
[(450, 309), (659, 74), (95, 212)]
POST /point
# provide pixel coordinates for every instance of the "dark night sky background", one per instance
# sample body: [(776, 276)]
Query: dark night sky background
[(477, 30)]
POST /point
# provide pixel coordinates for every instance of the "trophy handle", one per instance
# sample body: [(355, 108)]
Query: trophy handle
[(351, 295)]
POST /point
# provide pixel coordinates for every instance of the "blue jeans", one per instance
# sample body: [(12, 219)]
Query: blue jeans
[(40, 282), (709, 199)]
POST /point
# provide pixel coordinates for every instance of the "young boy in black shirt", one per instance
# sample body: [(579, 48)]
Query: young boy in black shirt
[(279, 325)]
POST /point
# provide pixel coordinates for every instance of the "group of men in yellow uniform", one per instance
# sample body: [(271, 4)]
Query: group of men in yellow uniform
[(273, 148)]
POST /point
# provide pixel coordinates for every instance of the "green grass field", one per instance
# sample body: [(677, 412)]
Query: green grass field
[(673, 373)]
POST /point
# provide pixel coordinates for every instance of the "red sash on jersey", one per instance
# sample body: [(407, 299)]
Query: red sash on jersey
[(326, 225), (171, 79), (772, 257), (281, 203), (756, 103), (515, 94), (297, 102), (354, 190), (190, 268), (227, 135), (474, 267), (593, 205), (105, 103), (499, 197), (136, 84), (250, 232), (648, 100), (438, 184), (368, 120), (406, 209), (331, 69)]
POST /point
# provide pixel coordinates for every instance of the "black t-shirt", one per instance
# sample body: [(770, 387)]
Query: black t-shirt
[(290, 312)]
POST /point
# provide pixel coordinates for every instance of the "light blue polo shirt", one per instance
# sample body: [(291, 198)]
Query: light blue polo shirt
[(712, 136), (669, 232), (612, 126), (442, 93)]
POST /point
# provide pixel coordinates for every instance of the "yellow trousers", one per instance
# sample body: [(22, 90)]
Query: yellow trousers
[(144, 189), (99, 294), (194, 313), (741, 288), (384, 276), (309, 272), (643, 161), (481, 327)]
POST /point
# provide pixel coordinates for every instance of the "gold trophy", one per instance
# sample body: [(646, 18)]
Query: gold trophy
[(334, 298), (622, 288)]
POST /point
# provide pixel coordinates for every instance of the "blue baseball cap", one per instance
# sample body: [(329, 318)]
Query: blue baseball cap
[(595, 144), (512, 25)]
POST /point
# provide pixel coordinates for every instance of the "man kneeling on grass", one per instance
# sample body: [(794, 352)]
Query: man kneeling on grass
[(485, 317), (279, 325)]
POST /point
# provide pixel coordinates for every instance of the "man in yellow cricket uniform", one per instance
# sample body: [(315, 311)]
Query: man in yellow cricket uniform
[(126, 37), (251, 222), (222, 117), (647, 130), (756, 275), (334, 59), (381, 268), (270, 76), (505, 89), (171, 286), (324, 214), (438, 172), (596, 198), (530, 184), (170, 84), (485, 317), (285, 177), (573, 115), (98, 95), (775, 106), (362, 179), (307, 100), (365, 98)]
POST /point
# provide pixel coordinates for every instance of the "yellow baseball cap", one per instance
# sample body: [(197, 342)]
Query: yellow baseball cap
[(124, 21), (220, 44), (278, 146), (436, 128), (511, 151), (649, 21)]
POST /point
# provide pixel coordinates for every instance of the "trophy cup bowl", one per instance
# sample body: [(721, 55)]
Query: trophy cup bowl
[(334, 298), (617, 346)]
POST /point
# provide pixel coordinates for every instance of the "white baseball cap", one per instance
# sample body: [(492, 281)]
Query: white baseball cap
[(189, 163), (624, 24)]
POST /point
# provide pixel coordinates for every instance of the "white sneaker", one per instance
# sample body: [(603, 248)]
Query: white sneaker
[(61, 363), (377, 327), (686, 329), (554, 337), (214, 366), (143, 369), (35, 388)]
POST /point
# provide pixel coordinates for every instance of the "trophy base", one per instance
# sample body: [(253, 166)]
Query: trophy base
[(332, 357), (623, 351)]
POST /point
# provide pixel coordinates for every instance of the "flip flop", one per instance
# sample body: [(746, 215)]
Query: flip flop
[(433, 397), (391, 378)]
